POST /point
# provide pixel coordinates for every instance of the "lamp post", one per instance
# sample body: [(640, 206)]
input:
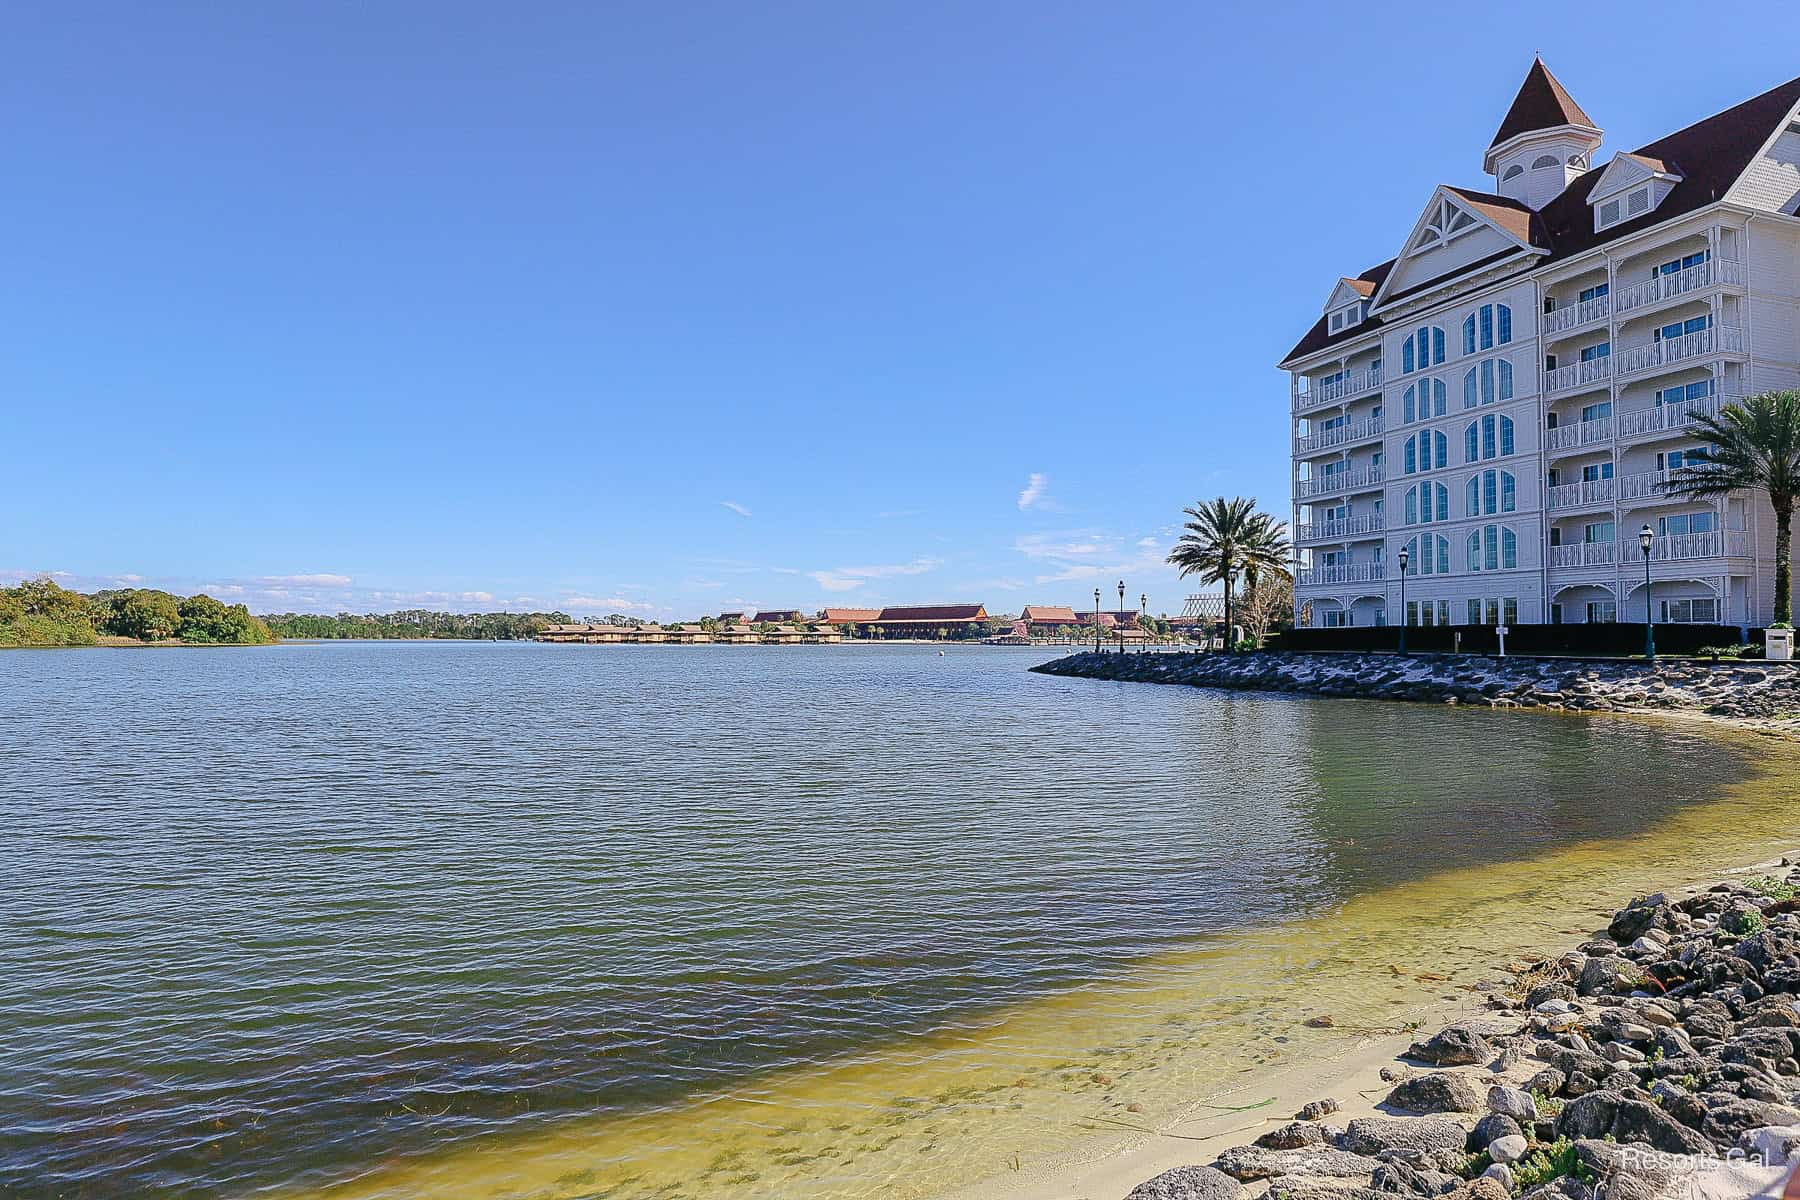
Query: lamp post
[(1096, 620), (1143, 608), (1121, 613), (1645, 538), (1404, 557)]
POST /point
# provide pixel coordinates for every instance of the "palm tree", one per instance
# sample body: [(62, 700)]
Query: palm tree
[(1228, 537), (1755, 446)]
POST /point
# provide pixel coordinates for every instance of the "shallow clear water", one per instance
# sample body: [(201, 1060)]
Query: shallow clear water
[(526, 917)]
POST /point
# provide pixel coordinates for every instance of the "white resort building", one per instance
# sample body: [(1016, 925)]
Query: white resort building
[(1504, 398)]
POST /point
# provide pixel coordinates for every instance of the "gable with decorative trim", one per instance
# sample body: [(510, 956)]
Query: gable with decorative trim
[(1449, 236)]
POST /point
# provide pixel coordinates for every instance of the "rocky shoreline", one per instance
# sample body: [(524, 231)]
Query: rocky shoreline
[(1749, 690), (1660, 1059)]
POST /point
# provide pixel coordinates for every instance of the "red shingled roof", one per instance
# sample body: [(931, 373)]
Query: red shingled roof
[(935, 612), (1709, 155), (1048, 612), (1542, 103), (840, 616)]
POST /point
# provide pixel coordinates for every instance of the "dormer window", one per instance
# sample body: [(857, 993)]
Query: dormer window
[(1631, 185)]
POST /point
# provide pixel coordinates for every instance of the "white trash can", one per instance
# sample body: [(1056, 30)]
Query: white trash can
[(1778, 644)]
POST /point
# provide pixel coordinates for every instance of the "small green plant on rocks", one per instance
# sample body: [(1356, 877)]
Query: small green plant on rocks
[(1475, 1164), (1742, 922), (1548, 1162), (1548, 1107), (1773, 888)]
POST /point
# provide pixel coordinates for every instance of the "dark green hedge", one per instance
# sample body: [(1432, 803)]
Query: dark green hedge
[(1610, 639)]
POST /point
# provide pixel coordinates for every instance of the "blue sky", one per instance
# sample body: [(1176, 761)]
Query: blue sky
[(666, 309)]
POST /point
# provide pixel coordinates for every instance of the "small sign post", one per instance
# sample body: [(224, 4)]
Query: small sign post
[(1502, 631)]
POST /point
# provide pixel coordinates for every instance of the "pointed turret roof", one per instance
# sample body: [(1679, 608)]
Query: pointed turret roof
[(1542, 103)]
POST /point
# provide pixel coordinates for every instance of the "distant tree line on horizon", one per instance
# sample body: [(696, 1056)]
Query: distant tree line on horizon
[(41, 612), (416, 623)]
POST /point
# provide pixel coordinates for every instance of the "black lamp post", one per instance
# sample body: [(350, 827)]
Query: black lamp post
[(1645, 538), (1404, 557), (1143, 607), (1121, 613), (1096, 620)]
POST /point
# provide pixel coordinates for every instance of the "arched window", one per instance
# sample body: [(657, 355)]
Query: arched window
[(1513, 172), (1493, 548), (1429, 554), (1426, 503), (1490, 492), (1422, 349), (1425, 399), (1425, 451), (1487, 327), (1487, 438), (1487, 381), (1545, 160)]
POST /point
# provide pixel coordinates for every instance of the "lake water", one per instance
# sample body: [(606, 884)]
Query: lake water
[(486, 920)]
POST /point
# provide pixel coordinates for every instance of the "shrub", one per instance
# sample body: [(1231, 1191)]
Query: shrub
[(1548, 1162), (1773, 888)]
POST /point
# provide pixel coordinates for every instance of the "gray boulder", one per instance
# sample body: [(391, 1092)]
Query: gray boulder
[(1318, 1110), (1419, 1135), (1638, 918), (1258, 1162), (1512, 1102), (1293, 1136), (1600, 1115), (1439, 1091), (1455, 1046), (1189, 1183), (1508, 1149), (1494, 1125)]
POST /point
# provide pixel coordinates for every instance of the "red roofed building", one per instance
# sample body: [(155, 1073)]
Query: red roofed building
[(1049, 618), (1502, 402), (932, 621), (841, 617)]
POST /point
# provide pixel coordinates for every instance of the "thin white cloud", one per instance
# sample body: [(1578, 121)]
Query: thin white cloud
[(735, 507), (323, 581), (1076, 543), (844, 579), (1033, 494), (609, 603)]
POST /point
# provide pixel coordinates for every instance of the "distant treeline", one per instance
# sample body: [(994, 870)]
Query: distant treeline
[(40, 612), (416, 623)]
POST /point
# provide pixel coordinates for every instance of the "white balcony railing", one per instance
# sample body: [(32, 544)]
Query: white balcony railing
[(1333, 531), (1667, 351), (1581, 433), (1679, 547), (1342, 435), (1339, 481), (1583, 554), (1585, 494), (1369, 572), (1577, 315), (1354, 383), (1668, 418), (1677, 284), (1648, 485), (1579, 374)]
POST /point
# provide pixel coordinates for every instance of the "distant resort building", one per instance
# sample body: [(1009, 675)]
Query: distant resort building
[(1048, 620), (929, 621), (790, 627), (840, 617)]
